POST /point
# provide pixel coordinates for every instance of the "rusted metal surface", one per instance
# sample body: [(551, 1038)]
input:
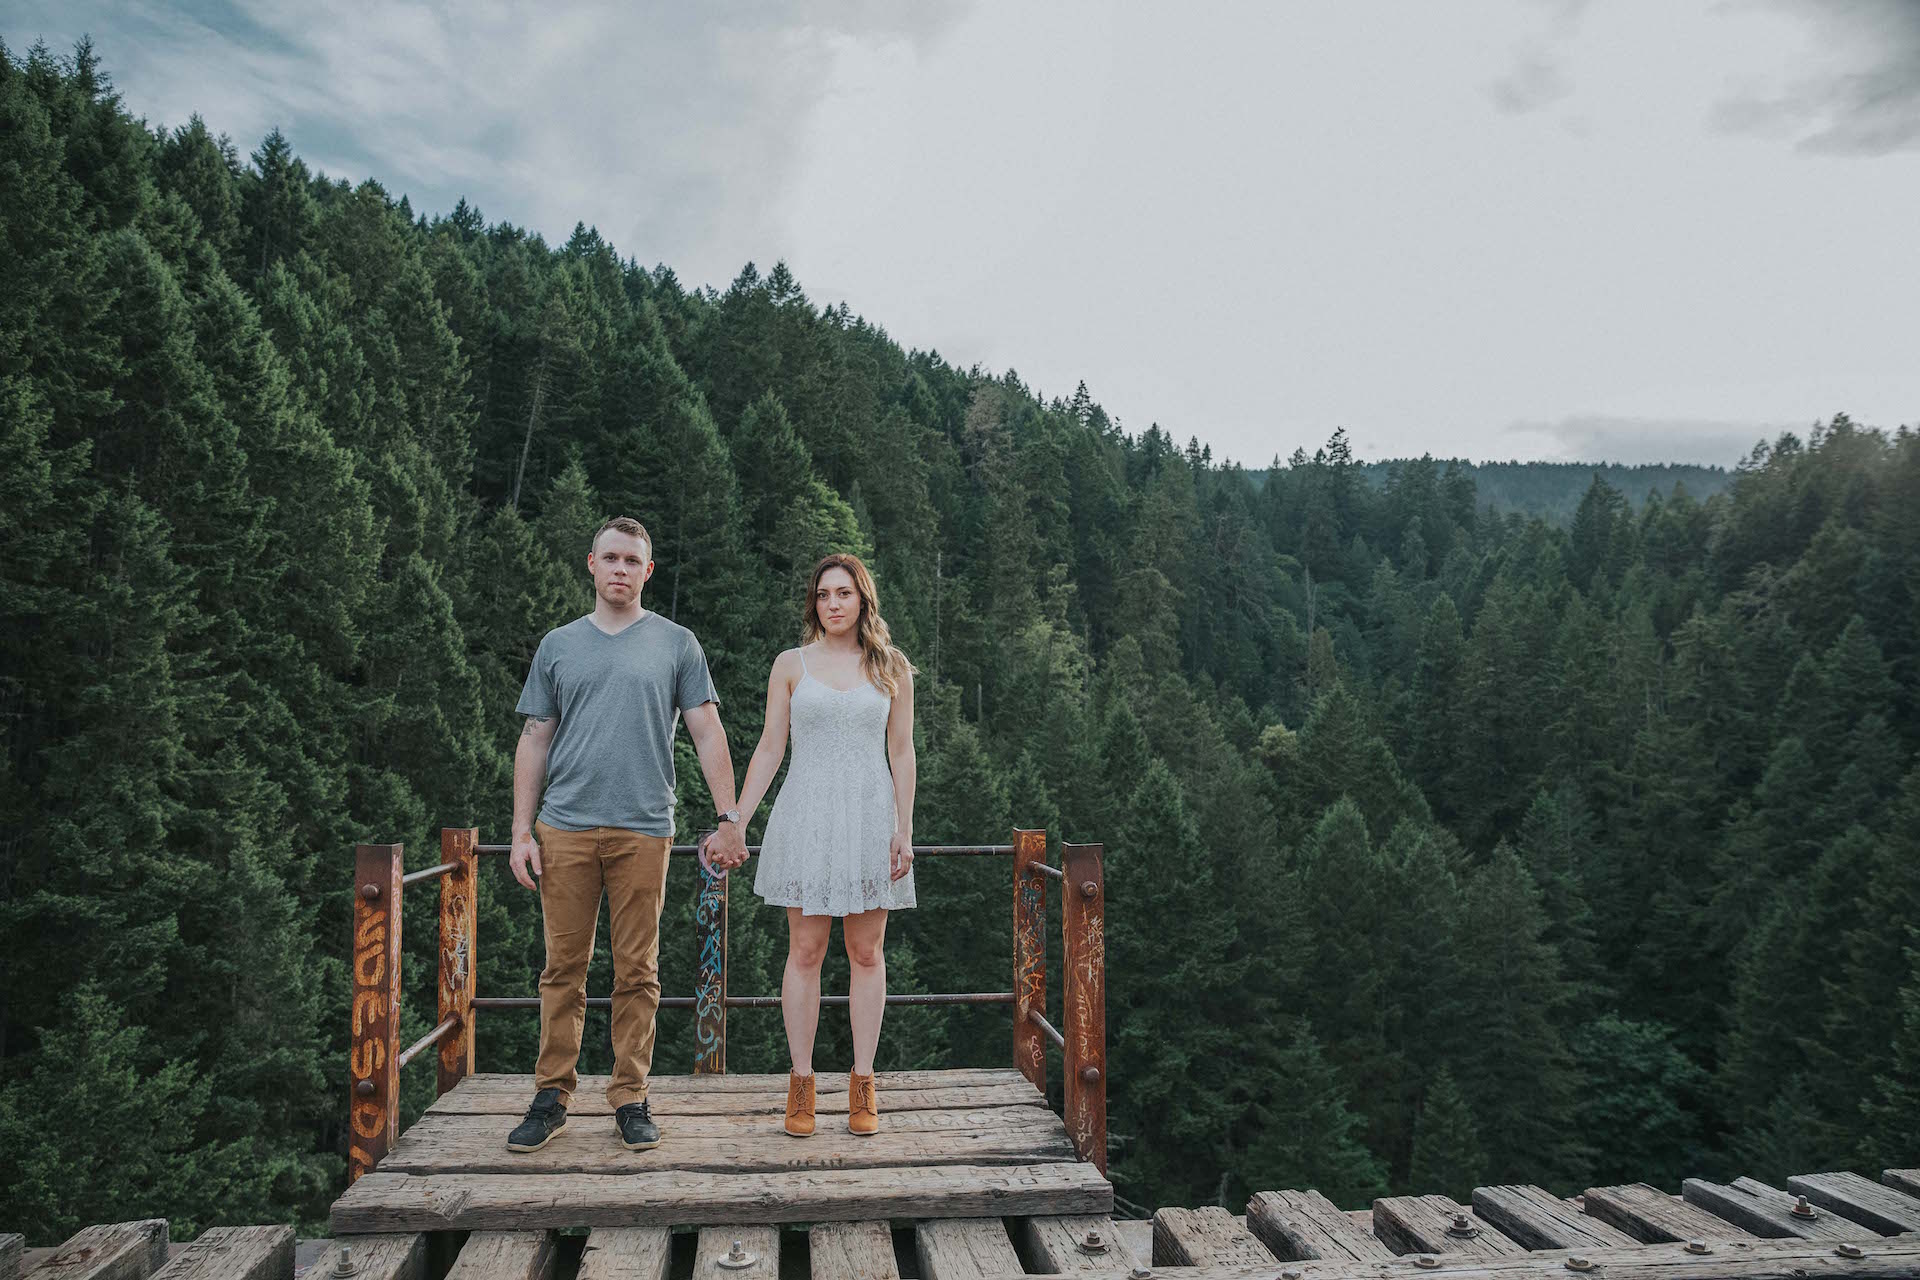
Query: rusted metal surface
[(710, 1002), (1038, 1021), (458, 919), (1084, 922), (427, 873), (1029, 954), (427, 1041), (373, 1101)]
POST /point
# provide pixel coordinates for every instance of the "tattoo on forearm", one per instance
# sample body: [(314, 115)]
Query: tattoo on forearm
[(527, 731)]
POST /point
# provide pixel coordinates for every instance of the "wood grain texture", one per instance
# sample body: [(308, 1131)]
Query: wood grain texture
[(1301, 1225), (626, 1253), (1868, 1203), (852, 1251), (1425, 1224), (1138, 1233), (401, 1256), (590, 1099), (1035, 1120), (1537, 1219), (1767, 1211), (505, 1255), (517, 1087), (13, 1247), (592, 1147), (1650, 1214), (1750, 1259), (400, 1202), (115, 1251), (1052, 1245), (964, 1249), (234, 1253), (1190, 1237), (1907, 1180), (761, 1244)]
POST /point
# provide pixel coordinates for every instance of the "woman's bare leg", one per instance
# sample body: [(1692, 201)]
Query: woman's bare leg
[(865, 936), (800, 987)]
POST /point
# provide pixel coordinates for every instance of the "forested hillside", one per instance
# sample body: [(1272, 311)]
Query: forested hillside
[(1442, 846)]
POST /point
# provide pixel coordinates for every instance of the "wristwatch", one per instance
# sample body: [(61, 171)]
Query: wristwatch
[(731, 815)]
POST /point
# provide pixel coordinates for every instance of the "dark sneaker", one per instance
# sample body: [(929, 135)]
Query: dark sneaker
[(638, 1132), (545, 1118)]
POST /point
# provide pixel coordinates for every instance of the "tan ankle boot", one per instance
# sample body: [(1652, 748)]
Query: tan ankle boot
[(799, 1105), (863, 1105)]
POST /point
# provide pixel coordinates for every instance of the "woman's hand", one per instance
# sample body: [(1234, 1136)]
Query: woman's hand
[(900, 854)]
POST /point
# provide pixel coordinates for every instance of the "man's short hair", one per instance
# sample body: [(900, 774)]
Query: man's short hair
[(625, 524)]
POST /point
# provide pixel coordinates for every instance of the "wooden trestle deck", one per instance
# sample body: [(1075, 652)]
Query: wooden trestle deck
[(958, 1144)]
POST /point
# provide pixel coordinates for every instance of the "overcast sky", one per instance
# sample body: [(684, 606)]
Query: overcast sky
[(1634, 230)]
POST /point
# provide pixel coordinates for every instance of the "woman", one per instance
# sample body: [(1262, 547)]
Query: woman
[(839, 841)]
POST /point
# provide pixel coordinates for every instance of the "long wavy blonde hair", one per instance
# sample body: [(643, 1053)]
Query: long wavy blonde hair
[(880, 659)]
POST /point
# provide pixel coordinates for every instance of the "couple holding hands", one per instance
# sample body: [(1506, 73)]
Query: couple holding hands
[(595, 760)]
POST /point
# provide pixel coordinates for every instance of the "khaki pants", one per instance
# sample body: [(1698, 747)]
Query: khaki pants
[(632, 868)]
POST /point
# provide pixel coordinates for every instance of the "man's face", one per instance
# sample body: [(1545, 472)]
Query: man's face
[(620, 566)]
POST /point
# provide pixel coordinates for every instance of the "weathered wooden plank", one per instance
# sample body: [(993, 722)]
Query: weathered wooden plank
[(1063, 1245), (1907, 1180), (378, 1257), (1299, 1225), (1436, 1224), (1768, 1211), (1650, 1214), (234, 1253), (1868, 1203), (517, 1087), (400, 1202), (597, 1151), (13, 1247), (116, 1251), (505, 1255), (1897, 1258), (757, 1247), (852, 1251), (964, 1248), (1138, 1233), (1538, 1219), (588, 1101), (626, 1253), (1190, 1237)]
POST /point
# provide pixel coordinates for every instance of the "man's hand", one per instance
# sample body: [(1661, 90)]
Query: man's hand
[(526, 853), (729, 845)]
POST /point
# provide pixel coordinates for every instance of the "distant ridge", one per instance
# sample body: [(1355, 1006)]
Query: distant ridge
[(1552, 490)]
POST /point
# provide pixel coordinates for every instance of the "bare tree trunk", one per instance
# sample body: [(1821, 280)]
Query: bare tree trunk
[(533, 417)]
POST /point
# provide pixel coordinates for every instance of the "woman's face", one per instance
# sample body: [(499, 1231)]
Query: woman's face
[(836, 602)]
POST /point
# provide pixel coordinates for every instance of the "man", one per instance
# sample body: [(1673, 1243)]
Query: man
[(601, 701)]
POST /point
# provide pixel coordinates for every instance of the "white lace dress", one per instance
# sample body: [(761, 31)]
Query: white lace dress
[(828, 838)]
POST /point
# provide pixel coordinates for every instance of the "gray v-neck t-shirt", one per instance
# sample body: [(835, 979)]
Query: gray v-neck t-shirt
[(618, 698)]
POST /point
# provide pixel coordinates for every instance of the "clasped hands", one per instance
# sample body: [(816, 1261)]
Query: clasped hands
[(725, 848)]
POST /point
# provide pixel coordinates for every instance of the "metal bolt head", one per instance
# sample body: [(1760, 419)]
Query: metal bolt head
[(1850, 1251), (1426, 1260), (1140, 1273), (736, 1258), (1463, 1227), (344, 1265), (1801, 1209), (370, 891), (1090, 1075), (1092, 1243), (364, 1088), (1577, 1263), (1289, 1274), (1088, 888), (1699, 1246)]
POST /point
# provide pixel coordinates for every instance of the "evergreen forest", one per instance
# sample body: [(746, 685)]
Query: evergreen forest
[(1446, 844)]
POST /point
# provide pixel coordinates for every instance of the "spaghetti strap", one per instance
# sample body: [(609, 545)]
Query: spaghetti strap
[(802, 651)]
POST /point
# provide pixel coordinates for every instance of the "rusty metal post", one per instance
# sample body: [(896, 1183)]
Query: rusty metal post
[(373, 1105), (458, 889), (710, 995), (1083, 920), (1029, 955)]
